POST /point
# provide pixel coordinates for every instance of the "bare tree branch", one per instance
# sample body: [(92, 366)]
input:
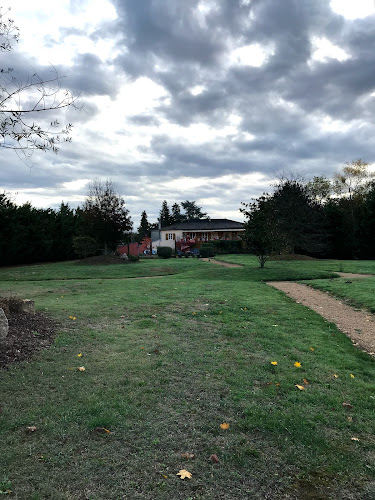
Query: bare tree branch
[(20, 99)]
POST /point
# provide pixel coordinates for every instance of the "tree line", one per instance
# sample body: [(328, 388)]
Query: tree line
[(327, 218), (29, 234)]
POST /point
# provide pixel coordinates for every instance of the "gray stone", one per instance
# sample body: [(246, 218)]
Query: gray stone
[(28, 306), (4, 326), (125, 256)]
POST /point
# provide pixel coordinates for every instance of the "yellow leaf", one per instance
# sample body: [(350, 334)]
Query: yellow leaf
[(274, 363), (164, 476), (352, 375), (354, 439), (224, 425), (305, 381), (297, 364), (194, 314), (81, 368), (335, 375), (79, 355), (300, 387), (312, 349), (183, 473)]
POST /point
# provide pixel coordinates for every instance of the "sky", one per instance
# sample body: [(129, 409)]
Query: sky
[(205, 100)]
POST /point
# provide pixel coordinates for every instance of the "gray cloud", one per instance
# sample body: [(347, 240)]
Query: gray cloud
[(293, 112)]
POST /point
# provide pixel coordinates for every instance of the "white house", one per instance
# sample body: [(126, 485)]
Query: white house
[(193, 233)]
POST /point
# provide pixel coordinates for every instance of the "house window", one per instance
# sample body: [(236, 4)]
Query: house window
[(205, 236), (170, 236), (193, 235)]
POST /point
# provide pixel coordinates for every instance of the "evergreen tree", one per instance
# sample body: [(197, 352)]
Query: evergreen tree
[(165, 218), (144, 227), (192, 211), (177, 216)]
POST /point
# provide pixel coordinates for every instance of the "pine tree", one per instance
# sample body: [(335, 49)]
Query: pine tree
[(144, 226), (165, 218)]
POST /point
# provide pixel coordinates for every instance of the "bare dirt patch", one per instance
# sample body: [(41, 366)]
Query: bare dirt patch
[(221, 263), (27, 335), (351, 275), (359, 326)]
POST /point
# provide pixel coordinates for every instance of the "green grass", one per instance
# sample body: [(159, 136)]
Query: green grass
[(163, 385), (313, 266)]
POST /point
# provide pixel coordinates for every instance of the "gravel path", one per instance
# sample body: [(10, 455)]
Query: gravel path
[(358, 325)]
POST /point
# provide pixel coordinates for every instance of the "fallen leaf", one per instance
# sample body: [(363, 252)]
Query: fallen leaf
[(79, 355), (352, 375), (300, 387), (81, 368), (184, 474), (278, 383), (274, 363), (194, 314), (153, 316), (297, 364), (187, 455), (214, 458), (102, 430), (350, 419), (165, 476), (354, 438), (312, 349), (224, 425), (335, 375), (347, 405), (305, 381), (30, 428)]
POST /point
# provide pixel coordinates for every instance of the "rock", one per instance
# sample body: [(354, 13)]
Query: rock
[(4, 326), (28, 306), (124, 256)]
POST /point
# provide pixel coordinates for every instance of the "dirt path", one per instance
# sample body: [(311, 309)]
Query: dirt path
[(221, 263), (358, 325)]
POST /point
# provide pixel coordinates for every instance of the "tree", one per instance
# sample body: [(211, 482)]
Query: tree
[(21, 101), (299, 219), (144, 227), (165, 218), (319, 189), (107, 219), (192, 211), (353, 180), (262, 236), (176, 215), (352, 183)]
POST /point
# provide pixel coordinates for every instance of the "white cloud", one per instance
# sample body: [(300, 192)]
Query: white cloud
[(324, 50), (250, 55), (353, 9)]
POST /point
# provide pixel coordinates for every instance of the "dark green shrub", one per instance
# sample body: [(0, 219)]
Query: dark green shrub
[(228, 246), (164, 252), (207, 252), (85, 246), (133, 258)]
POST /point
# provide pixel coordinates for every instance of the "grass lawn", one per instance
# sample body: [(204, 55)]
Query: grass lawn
[(169, 359)]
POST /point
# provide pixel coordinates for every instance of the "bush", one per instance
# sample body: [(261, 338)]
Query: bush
[(85, 246), (207, 252), (133, 258), (164, 252), (228, 246)]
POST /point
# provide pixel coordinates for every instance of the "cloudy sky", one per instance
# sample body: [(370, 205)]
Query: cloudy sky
[(203, 100)]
